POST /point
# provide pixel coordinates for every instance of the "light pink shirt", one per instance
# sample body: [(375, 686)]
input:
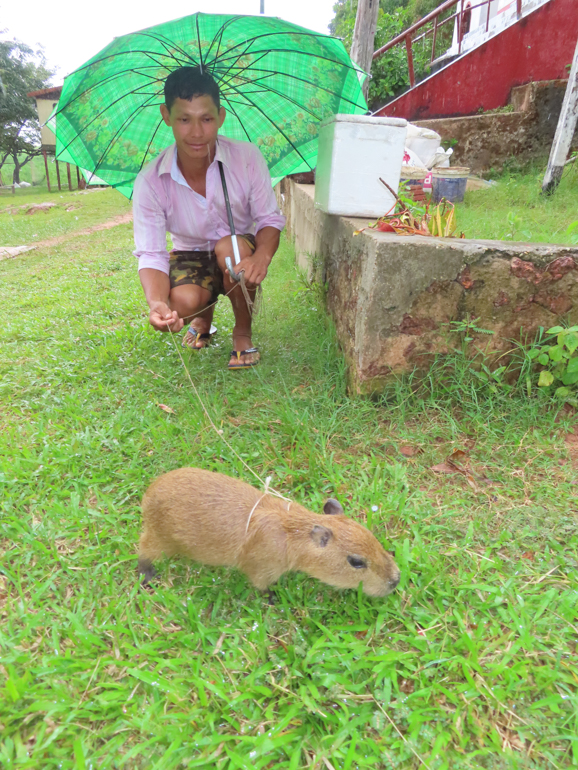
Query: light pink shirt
[(164, 203)]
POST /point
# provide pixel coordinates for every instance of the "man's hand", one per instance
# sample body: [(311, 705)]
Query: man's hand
[(254, 267), (162, 318)]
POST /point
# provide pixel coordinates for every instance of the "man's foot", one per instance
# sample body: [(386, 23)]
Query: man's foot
[(198, 336), (244, 354)]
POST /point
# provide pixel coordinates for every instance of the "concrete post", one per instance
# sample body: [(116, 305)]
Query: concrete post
[(564, 131)]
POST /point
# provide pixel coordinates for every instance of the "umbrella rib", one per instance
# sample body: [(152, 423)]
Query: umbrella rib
[(249, 41), (272, 73), (98, 114), (298, 53), (108, 80), (199, 41), (91, 63), (121, 128), (278, 129), (167, 45), (230, 67), (219, 34), (240, 121), (148, 148)]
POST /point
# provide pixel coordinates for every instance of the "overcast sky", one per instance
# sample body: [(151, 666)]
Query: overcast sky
[(72, 31)]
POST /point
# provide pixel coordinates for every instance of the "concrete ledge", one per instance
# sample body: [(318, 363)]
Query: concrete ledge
[(392, 297)]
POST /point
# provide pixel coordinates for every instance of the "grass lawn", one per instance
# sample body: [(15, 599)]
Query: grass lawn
[(515, 209), (73, 211), (470, 663)]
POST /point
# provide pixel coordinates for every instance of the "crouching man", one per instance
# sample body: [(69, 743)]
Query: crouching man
[(181, 193)]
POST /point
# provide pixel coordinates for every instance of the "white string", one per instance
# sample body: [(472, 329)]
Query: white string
[(265, 484)]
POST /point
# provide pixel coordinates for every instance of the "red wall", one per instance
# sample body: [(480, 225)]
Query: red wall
[(538, 47)]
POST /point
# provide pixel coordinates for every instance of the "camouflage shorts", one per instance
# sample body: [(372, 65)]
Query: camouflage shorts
[(200, 268)]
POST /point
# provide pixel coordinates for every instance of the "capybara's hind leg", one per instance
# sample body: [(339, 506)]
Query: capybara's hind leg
[(149, 550), (146, 569)]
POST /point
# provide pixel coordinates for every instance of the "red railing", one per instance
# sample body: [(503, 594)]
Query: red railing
[(463, 15)]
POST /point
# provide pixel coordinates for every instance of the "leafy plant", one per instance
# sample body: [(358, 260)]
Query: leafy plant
[(409, 218), (515, 222), (559, 362)]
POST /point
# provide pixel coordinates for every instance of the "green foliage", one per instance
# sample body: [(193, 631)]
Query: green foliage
[(557, 358), (389, 72), (22, 70)]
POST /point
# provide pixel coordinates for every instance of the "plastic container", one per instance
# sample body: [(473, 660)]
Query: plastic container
[(413, 175), (449, 183), (354, 152)]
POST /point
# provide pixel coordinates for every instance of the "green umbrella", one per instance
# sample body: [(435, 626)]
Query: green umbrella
[(277, 81)]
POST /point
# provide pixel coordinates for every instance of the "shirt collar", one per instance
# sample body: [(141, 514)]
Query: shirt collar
[(169, 165)]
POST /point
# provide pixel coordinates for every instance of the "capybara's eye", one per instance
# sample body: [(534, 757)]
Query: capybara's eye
[(356, 562)]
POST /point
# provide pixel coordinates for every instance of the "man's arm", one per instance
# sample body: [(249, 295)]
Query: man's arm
[(255, 267), (151, 250), (156, 286)]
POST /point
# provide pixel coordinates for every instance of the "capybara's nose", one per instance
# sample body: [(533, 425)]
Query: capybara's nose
[(394, 581)]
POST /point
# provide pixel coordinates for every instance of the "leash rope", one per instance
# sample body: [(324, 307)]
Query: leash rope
[(268, 489)]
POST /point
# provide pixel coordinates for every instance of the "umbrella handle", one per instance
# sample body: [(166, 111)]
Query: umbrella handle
[(235, 276)]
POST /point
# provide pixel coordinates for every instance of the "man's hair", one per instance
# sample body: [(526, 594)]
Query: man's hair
[(188, 82)]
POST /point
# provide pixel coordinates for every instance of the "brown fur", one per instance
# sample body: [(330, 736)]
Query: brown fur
[(204, 515)]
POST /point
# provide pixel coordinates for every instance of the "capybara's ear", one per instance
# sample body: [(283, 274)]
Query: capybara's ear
[(332, 507), (321, 536)]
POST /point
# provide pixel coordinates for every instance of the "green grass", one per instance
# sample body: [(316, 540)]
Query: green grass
[(514, 209), (471, 663), (73, 211)]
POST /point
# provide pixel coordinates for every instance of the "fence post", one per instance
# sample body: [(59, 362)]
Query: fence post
[(435, 35), (58, 176), (68, 175), (519, 8), (46, 167), (410, 60), (460, 20)]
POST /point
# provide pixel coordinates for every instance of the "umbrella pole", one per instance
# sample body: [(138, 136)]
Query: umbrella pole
[(236, 254)]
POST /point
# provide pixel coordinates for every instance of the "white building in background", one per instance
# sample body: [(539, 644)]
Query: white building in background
[(478, 27)]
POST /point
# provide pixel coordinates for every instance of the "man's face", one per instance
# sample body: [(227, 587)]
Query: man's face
[(195, 124)]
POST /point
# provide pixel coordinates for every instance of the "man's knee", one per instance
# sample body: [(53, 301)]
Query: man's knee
[(224, 249), (189, 299)]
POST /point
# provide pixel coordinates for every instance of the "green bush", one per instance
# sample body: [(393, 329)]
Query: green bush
[(559, 361)]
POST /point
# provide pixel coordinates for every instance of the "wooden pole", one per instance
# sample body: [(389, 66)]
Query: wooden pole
[(58, 176), (364, 36), (435, 36), (68, 175), (564, 131), (78, 177), (46, 167), (410, 61)]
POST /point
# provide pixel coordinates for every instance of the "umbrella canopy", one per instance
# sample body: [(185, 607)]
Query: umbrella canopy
[(277, 82)]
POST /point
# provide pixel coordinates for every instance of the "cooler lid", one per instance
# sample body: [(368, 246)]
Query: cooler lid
[(364, 120)]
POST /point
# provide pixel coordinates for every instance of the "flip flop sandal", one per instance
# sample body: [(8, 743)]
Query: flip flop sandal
[(198, 337), (240, 353)]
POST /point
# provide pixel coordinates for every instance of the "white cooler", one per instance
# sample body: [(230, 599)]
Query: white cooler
[(354, 151)]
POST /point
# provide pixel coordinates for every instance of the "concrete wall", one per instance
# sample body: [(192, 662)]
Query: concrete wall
[(487, 141), (539, 47), (393, 297)]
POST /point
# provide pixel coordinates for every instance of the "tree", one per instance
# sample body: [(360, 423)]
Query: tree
[(389, 73), (22, 69), (364, 35)]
